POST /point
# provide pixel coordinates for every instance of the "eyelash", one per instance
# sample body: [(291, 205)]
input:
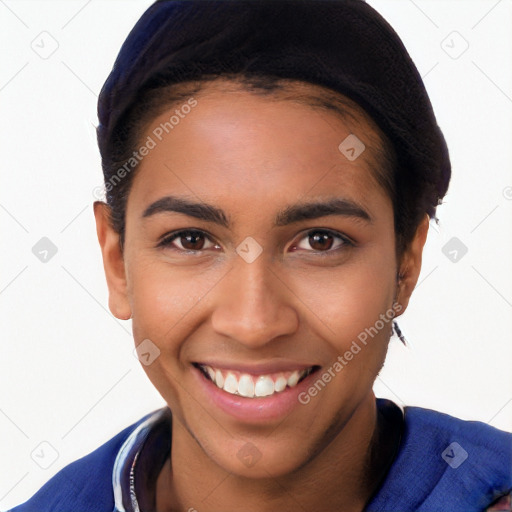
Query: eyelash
[(168, 239)]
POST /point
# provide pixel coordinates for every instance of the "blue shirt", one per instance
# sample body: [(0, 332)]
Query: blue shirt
[(443, 464)]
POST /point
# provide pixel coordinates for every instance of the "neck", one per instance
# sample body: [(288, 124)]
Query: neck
[(349, 468)]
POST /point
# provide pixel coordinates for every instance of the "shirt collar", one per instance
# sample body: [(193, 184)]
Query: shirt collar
[(139, 462)]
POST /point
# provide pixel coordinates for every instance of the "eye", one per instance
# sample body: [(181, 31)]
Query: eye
[(323, 241), (191, 240)]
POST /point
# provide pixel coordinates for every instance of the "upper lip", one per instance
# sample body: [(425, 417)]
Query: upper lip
[(263, 368)]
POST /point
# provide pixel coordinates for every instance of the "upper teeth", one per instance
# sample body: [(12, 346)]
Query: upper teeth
[(251, 386)]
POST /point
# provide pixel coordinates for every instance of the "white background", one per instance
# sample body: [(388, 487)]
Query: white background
[(67, 373)]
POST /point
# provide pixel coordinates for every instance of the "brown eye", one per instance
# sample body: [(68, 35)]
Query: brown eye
[(321, 240), (187, 241), (192, 241)]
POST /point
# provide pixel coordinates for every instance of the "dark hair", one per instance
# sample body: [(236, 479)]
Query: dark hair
[(412, 159)]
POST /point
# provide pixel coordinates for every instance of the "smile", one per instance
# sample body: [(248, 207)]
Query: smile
[(253, 386)]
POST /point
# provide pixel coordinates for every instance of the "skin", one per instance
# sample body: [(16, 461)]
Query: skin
[(252, 156)]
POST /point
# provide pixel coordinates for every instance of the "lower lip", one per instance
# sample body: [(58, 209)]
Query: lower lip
[(254, 410)]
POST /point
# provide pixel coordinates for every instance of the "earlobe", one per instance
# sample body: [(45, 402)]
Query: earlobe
[(113, 262), (410, 265)]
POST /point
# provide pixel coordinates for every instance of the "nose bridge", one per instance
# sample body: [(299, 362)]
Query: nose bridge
[(252, 305)]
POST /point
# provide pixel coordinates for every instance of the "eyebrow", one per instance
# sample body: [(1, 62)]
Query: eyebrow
[(289, 215)]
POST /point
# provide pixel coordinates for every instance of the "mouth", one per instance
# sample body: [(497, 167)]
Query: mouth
[(253, 386)]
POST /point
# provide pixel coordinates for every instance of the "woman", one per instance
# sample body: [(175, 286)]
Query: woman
[(271, 168)]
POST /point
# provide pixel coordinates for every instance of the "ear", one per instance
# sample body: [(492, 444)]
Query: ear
[(113, 262), (410, 265)]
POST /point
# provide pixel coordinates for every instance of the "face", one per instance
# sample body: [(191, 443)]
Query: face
[(233, 275)]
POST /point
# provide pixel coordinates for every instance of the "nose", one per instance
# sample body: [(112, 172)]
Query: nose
[(253, 305)]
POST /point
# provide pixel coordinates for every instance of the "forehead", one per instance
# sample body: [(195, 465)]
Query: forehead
[(235, 144)]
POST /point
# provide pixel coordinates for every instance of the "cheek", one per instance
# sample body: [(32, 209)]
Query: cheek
[(343, 301), (166, 301), (163, 301)]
